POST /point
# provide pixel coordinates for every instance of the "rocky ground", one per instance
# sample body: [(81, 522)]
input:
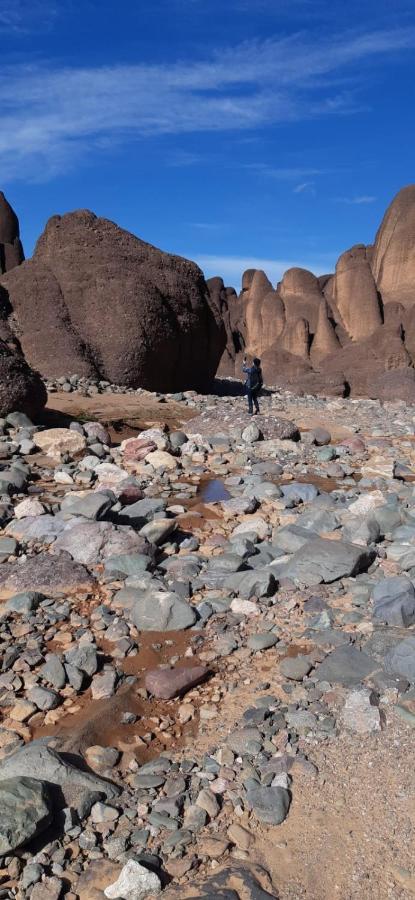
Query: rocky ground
[(207, 652)]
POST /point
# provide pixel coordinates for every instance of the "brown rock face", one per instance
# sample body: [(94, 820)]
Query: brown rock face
[(394, 253), (229, 307), (351, 331), (11, 250), (97, 300), (259, 288), (295, 338), (301, 293), (21, 389), (355, 294), (325, 340)]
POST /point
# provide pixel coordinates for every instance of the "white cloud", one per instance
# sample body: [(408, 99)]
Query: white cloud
[(357, 201), (49, 116), (285, 173), (231, 268), (306, 187)]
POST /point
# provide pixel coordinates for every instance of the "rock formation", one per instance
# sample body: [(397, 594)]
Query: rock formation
[(394, 253), (21, 389), (11, 250), (351, 331), (355, 295), (301, 295), (96, 300)]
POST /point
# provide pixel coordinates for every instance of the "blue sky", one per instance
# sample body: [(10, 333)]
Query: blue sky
[(239, 133)]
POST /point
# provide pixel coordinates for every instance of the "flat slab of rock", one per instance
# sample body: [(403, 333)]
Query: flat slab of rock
[(401, 659), (272, 427), (161, 611), (44, 528), (43, 763), (360, 712), (47, 573), (394, 601), (167, 683), (56, 441), (91, 542), (346, 666), (230, 883), (25, 811), (322, 561)]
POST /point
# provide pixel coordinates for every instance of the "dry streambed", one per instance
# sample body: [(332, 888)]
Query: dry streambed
[(208, 659)]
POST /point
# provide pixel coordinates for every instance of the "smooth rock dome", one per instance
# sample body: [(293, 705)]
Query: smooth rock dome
[(394, 254), (96, 300)]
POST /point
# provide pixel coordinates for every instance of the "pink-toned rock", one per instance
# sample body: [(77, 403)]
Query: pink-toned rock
[(167, 683), (137, 448), (130, 494), (355, 444)]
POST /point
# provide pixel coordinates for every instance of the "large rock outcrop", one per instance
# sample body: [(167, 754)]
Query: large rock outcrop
[(21, 389), (96, 300), (353, 331), (301, 294), (11, 250), (355, 294), (394, 253)]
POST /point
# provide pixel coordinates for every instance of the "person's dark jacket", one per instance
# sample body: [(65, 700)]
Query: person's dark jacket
[(254, 380)]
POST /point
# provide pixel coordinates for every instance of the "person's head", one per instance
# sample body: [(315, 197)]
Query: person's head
[(257, 362)]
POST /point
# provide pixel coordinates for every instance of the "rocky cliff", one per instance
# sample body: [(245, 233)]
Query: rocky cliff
[(353, 331)]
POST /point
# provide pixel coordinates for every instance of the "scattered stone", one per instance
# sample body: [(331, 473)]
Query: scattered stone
[(135, 882), (361, 713), (25, 811), (167, 683)]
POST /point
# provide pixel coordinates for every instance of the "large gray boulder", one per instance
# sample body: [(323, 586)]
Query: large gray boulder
[(162, 611), (323, 561), (25, 811), (69, 785), (401, 659), (394, 601)]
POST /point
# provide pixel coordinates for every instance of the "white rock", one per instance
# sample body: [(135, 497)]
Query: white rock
[(109, 473), (378, 466), (254, 524), (29, 507), (63, 477), (360, 714), (159, 459), (134, 883), (56, 441), (244, 607), (156, 435), (282, 780), (366, 503)]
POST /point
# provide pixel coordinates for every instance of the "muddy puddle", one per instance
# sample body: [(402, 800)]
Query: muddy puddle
[(212, 490), (100, 722)]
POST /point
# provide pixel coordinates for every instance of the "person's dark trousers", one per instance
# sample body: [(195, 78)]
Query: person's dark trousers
[(252, 401)]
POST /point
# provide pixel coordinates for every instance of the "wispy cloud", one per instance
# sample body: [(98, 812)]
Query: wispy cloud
[(357, 201), (231, 268), (209, 226), (305, 187), (22, 15), (284, 173), (48, 116)]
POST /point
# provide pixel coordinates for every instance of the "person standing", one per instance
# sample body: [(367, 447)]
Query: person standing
[(253, 384)]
